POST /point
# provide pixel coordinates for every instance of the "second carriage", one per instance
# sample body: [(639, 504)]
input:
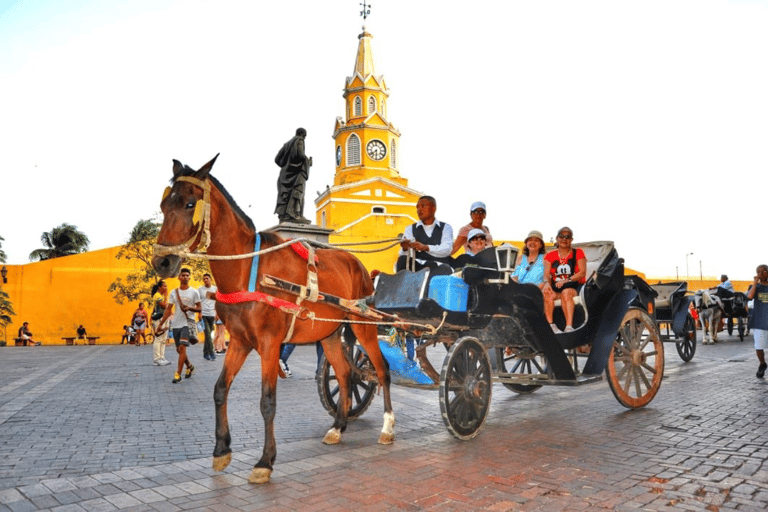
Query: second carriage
[(672, 310), (495, 330)]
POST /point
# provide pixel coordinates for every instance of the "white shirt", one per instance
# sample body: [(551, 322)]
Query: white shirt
[(209, 305), (189, 297), (446, 242)]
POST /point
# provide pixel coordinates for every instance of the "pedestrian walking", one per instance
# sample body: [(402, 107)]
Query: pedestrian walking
[(183, 303), (208, 315), (759, 292), (160, 301)]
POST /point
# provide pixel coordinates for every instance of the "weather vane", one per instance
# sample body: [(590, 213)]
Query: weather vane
[(366, 10)]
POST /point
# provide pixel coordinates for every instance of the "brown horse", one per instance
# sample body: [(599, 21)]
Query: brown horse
[(199, 212)]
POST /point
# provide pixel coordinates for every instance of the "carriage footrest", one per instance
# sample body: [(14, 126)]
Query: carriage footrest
[(544, 380)]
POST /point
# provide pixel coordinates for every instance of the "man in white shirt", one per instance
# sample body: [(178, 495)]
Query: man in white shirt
[(208, 314), (431, 239), (183, 302)]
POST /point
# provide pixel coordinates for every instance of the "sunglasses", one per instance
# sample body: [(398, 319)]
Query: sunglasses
[(565, 237), (479, 212)]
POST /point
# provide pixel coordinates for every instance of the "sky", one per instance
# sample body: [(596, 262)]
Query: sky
[(644, 123)]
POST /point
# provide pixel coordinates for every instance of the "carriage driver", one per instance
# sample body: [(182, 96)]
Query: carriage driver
[(431, 239)]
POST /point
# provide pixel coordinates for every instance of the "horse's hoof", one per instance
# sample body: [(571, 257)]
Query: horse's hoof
[(260, 475), (333, 436), (386, 438), (220, 463)]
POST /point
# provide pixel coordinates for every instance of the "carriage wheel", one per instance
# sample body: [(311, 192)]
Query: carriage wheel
[(741, 328), (521, 361), (465, 388), (636, 363), (730, 325), (362, 391), (686, 346)]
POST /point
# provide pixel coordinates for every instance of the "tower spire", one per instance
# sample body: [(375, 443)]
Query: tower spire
[(365, 12)]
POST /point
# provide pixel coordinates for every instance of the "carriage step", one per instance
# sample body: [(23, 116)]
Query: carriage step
[(544, 380)]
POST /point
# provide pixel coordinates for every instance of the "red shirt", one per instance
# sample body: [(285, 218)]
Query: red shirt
[(561, 269)]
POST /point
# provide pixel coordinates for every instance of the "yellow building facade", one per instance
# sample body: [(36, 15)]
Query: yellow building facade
[(369, 200), (55, 296)]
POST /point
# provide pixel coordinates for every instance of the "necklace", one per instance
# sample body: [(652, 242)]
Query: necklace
[(563, 260)]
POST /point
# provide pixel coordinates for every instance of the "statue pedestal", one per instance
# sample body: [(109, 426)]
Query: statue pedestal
[(291, 230)]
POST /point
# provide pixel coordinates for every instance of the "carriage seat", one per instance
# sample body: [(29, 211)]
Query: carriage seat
[(664, 297)]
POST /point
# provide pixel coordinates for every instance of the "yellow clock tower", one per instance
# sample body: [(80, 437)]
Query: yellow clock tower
[(369, 199)]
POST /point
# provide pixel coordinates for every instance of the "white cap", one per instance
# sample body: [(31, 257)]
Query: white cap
[(474, 232), (476, 205)]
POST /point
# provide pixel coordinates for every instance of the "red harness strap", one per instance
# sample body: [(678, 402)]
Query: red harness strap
[(302, 251), (243, 296)]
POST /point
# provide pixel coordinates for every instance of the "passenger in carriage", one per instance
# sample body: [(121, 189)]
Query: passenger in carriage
[(477, 213), (430, 238), (565, 271), (477, 243), (529, 268)]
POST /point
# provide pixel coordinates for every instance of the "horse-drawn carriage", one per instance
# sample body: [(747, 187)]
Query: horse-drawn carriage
[(272, 291), (494, 329), (672, 309), (735, 307)]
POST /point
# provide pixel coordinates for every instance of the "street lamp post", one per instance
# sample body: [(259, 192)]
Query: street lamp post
[(4, 273), (687, 274)]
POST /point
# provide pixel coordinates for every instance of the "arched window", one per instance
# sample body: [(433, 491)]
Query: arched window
[(358, 106), (393, 154), (353, 150), (378, 209), (371, 104), (384, 108), (323, 217)]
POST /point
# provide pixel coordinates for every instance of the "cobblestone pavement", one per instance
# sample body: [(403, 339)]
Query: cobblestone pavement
[(99, 428)]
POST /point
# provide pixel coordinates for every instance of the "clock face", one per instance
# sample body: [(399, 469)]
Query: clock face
[(338, 155), (376, 149)]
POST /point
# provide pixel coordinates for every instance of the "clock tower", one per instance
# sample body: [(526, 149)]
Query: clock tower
[(370, 199)]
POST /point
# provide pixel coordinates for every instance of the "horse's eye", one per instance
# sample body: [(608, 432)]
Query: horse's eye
[(190, 205)]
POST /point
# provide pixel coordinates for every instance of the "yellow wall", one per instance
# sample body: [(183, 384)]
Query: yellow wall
[(56, 296)]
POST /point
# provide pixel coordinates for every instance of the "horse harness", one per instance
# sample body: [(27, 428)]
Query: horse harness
[(309, 292)]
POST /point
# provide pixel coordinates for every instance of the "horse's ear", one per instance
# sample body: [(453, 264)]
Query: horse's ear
[(204, 170), (177, 167)]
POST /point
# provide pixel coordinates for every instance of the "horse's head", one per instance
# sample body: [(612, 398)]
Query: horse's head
[(186, 217)]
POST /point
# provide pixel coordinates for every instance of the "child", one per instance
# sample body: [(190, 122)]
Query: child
[(759, 292)]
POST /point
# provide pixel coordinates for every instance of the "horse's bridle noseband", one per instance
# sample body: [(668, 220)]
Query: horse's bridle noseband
[(201, 217)]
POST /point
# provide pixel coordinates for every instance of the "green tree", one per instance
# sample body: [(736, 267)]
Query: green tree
[(63, 240), (138, 284), (6, 311), (2, 252)]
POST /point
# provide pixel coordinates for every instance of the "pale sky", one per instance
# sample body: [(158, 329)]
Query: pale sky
[(645, 123)]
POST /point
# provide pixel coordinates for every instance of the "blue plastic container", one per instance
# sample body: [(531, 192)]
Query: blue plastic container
[(450, 292)]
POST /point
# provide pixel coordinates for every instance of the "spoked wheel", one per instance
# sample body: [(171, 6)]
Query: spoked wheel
[(636, 364), (729, 323), (686, 346), (465, 388), (524, 361), (742, 328), (362, 390)]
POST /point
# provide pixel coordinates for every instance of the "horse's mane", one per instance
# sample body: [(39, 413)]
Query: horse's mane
[(270, 239), (188, 171)]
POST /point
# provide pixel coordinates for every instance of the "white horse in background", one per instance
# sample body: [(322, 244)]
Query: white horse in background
[(710, 310)]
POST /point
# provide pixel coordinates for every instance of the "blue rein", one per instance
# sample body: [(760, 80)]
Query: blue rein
[(255, 265)]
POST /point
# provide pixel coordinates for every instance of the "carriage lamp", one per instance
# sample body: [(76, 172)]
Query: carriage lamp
[(4, 272)]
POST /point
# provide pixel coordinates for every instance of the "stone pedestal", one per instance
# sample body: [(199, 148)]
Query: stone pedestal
[(291, 230)]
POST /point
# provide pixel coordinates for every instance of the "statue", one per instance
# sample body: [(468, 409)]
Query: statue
[(294, 172)]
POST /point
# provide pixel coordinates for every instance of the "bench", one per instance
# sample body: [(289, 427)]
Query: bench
[(69, 341), (92, 339), (20, 342)]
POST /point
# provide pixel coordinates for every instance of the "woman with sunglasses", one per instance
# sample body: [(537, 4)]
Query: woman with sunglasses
[(566, 272)]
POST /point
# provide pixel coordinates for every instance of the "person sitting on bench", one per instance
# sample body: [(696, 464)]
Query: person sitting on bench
[(565, 271), (26, 335), (431, 239), (81, 334), (477, 240)]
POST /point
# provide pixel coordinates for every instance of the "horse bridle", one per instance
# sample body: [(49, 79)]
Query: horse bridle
[(201, 217)]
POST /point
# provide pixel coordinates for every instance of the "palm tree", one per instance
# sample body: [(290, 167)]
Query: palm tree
[(6, 311), (62, 240)]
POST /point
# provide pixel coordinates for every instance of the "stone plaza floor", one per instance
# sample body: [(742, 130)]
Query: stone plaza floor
[(99, 428)]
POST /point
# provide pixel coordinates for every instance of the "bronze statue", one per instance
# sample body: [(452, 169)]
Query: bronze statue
[(294, 172)]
